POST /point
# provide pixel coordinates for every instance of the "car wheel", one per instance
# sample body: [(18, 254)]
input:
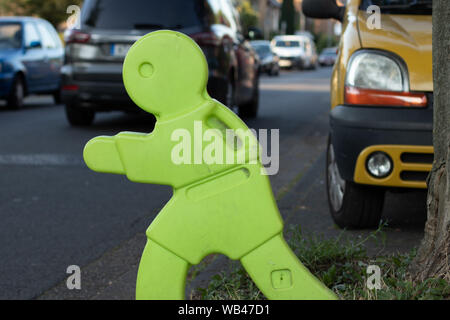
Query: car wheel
[(274, 71), (230, 96), (250, 109), (57, 96), (352, 206), (17, 94), (79, 116)]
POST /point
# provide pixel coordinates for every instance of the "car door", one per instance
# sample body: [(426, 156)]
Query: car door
[(53, 55), (34, 59)]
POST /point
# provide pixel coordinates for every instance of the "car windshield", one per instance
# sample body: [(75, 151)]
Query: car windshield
[(141, 14), (403, 6), (10, 36), (329, 52), (287, 44), (262, 49)]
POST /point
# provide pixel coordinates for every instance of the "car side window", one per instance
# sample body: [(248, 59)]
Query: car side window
[(31, 34), (54, 34), (47, 40)]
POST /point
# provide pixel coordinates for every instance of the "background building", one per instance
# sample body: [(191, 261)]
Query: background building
[(268, 16)]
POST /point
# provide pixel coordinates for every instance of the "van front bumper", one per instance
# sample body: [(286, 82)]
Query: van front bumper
[(405, 134)]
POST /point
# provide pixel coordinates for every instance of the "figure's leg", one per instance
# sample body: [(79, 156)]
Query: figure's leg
[(279, 274), (162, 274)]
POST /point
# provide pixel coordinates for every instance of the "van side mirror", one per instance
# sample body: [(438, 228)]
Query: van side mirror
[(323, 9)]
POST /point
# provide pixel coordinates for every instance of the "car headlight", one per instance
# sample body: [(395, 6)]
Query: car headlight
[(374, 78), (5, 67)]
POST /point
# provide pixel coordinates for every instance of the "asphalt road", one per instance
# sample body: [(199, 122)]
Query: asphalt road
[(55, 212)]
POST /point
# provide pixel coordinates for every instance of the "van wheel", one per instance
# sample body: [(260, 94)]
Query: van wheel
[(79, 116), (17, 94), (352, 206), (250, 109)]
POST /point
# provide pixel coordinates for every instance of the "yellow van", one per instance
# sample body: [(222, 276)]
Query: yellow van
[(381, 118)]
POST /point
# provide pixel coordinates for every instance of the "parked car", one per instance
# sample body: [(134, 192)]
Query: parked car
[(268, 59), (295, 51), (92, 74), (381, 106), (31, 56), (328, 57)]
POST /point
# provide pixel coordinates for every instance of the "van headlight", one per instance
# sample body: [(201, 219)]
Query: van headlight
[(376, 79), (375, 71)]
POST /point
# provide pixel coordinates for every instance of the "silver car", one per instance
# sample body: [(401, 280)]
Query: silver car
[(295, 51)]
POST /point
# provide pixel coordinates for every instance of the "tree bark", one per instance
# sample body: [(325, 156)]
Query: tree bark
[(433, 257)]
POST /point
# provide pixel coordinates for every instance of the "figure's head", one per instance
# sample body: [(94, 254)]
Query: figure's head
[(165, 73)]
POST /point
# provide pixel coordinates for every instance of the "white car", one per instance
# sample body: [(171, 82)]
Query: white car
[(295, 51)]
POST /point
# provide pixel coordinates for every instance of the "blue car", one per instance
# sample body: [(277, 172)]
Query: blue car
[(31, 57)]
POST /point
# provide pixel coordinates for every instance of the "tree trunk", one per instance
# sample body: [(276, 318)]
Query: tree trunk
[(433, 257)]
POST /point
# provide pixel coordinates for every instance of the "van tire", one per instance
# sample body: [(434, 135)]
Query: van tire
[(361, 207)]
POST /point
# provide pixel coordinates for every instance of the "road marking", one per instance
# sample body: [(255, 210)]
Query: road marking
[(41, 160), (296, 87)]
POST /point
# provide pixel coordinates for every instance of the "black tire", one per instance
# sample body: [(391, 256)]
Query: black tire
[(275, 71), (17, 94), (301, 65), (57, 96), (79, 116), (250, 109), (361, 206)]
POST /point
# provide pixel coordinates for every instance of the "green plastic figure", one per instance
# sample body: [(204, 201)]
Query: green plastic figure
[(215, 208)]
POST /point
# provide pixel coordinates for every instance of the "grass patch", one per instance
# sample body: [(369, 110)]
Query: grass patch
[(341, 264)]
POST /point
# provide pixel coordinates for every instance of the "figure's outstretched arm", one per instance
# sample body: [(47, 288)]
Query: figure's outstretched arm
[(101, 155)]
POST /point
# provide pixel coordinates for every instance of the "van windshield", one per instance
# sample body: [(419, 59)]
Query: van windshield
[(141, 14), (421, 7)]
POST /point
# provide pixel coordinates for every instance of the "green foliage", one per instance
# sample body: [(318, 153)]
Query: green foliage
[(324, 40), (249, 17), (232, 285), (288, 16), (54, 11), (341, 265)]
